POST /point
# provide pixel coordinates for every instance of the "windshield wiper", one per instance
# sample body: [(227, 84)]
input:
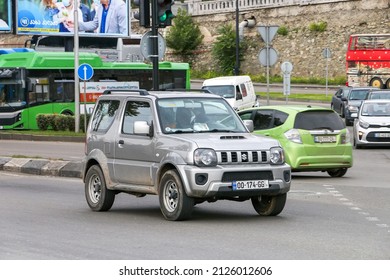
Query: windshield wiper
[(184, 131), (218, 130)]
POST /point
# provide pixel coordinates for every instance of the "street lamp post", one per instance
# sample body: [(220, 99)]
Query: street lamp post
[(237, 66), (76, 66)]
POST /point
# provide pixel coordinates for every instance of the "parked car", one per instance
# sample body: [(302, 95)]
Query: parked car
[(237, 90), (379, 94), (187, 149), (372, 126), (353, 101), (313, 138), (337, 103)]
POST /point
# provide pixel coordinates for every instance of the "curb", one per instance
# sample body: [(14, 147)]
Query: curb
[(42, 167), (30, 137)]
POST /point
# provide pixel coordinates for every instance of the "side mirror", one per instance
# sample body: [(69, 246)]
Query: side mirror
[(249, 125), (142, 128)]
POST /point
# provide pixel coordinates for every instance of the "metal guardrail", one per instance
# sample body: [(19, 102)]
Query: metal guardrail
[(198, 7)]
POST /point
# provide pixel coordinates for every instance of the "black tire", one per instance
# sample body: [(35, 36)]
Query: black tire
[(377, 82), (356, 145), (269, 205), (348, 122), (175, 205), (337, 172), (342, 111), (388, 84), (98, 197)]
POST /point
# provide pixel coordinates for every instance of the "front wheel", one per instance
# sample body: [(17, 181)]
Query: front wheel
[(337, 172), (175, 205), (269, 205), (342, 111), (99, 198), (355, 144)]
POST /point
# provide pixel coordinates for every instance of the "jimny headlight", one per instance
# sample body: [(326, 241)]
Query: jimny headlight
[(205, 157), (277, 155)]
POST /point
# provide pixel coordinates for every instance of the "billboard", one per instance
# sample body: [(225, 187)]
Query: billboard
[(5, 15), (56, 17)]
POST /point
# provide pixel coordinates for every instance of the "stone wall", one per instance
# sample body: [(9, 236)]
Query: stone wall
[(302, 47)]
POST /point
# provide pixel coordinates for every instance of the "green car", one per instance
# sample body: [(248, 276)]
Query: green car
[(314, 138)]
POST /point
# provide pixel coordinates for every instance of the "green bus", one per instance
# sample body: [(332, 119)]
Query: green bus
[(33, 83)]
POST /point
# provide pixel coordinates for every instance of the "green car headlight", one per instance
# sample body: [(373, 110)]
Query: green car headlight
[(205, 157)]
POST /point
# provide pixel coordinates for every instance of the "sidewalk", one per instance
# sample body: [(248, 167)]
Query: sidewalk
[(40, 166)]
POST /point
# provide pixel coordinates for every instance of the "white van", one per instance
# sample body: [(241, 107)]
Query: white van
[(237, 90)]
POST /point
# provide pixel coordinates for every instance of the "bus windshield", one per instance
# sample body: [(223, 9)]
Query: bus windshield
[(12, 95), (11, 89)]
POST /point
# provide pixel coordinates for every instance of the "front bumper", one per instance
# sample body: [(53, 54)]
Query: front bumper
[(373, 137), (216, 182)]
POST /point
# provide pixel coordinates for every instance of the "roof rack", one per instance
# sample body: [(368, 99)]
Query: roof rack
[(139, 91)]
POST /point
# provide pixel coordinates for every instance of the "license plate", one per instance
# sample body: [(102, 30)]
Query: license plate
[(382, 135), (250, 185), (325, 139)]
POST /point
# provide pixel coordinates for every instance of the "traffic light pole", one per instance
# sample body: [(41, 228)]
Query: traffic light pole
[(154, 37)]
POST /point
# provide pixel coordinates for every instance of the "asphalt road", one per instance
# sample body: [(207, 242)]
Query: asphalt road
[(324, 219)]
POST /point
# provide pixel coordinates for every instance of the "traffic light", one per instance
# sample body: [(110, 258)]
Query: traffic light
[(164, 12), (144, 12)]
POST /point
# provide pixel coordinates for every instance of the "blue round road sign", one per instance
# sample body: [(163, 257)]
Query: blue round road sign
[(85, 71)]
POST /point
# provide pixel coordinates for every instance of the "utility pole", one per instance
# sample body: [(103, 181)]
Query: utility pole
[(154, 37), (237, 66), (76, 67)]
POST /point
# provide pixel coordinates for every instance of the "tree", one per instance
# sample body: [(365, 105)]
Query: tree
[(184, 35), (224, 49)]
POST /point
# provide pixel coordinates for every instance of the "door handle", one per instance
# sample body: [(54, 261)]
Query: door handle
[(121, 142)]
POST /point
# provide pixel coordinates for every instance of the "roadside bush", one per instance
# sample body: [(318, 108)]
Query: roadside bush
[(60, 122), (70, 123), (42, 121), (82, 125), (56, 122)]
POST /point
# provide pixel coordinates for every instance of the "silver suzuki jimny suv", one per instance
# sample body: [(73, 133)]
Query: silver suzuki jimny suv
[(187, 148)]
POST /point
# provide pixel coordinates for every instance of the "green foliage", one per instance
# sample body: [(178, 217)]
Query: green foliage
[(282, 30), (224, 49), (82, 124), (184, 35), (318, 27), (42, 121), (58, 122), (70, 123)]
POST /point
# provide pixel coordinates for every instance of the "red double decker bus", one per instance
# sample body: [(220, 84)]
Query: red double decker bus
[(368, 60)]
